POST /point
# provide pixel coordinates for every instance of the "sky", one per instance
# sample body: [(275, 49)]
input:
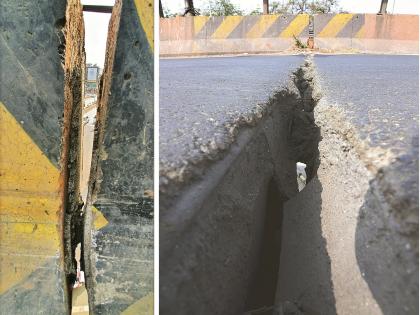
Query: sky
[(96, 24), (352, 6), (96, 31)]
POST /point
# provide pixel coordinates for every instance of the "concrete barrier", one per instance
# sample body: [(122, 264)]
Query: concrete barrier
[(41, 61), (202, 35), (369, 33), (119, 256)]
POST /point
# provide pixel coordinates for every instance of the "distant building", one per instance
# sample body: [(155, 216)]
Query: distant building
[(92, 80)]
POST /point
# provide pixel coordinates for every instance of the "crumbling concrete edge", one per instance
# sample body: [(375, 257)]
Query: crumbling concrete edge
[(379, 181), (178, 176), (74, 71), (98, 153)]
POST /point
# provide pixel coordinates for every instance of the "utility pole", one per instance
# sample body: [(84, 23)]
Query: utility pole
[(189, 7), (384, 4), (265, 7), (161, 9)]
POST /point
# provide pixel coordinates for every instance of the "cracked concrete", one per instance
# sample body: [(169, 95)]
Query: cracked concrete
[(357, 222), (219, 218), (348, 239)]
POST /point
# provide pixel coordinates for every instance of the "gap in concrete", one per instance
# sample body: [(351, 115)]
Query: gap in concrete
[(242, 223), (95, 134), (96, 28), (70, 30), (261, 294), (303, 140)]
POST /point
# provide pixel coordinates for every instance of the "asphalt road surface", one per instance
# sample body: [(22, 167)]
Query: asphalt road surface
[(199, 96), (380, 94)]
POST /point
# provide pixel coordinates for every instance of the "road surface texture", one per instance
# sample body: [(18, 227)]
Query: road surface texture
[(380, 93), (348, 240)]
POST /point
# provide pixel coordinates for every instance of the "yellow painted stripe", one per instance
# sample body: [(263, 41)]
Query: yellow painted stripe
[(145, 13), (199, 22), (296, 26), (335, 25), (360, 33), (144, 306), (227, 26), (263, 24), (29, 204), (99, 220)]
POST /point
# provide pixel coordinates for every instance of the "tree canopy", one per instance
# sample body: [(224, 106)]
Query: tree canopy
[(226, 7), (221, 8), (304, 6)]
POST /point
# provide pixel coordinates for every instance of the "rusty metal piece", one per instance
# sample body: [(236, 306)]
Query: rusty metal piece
[(98, 8)]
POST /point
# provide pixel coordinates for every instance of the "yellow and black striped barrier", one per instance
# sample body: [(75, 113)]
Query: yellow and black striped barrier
[(276, 33)]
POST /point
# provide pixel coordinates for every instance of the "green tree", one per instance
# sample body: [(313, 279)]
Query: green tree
[(221, 8), (257, 11), (304, 6), (323, 6), (279, 8)]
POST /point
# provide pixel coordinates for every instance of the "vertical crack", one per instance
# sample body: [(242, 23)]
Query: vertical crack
[(300, 99), (94, 178), (72, 44)]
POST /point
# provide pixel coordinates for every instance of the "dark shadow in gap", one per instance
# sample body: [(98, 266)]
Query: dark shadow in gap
[(304, 277), (262, 292)]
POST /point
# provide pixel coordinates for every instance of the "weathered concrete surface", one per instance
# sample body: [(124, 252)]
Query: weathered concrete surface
[(363, 205), (37, 99), (369, 33), (213, 222), (119, 256)]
